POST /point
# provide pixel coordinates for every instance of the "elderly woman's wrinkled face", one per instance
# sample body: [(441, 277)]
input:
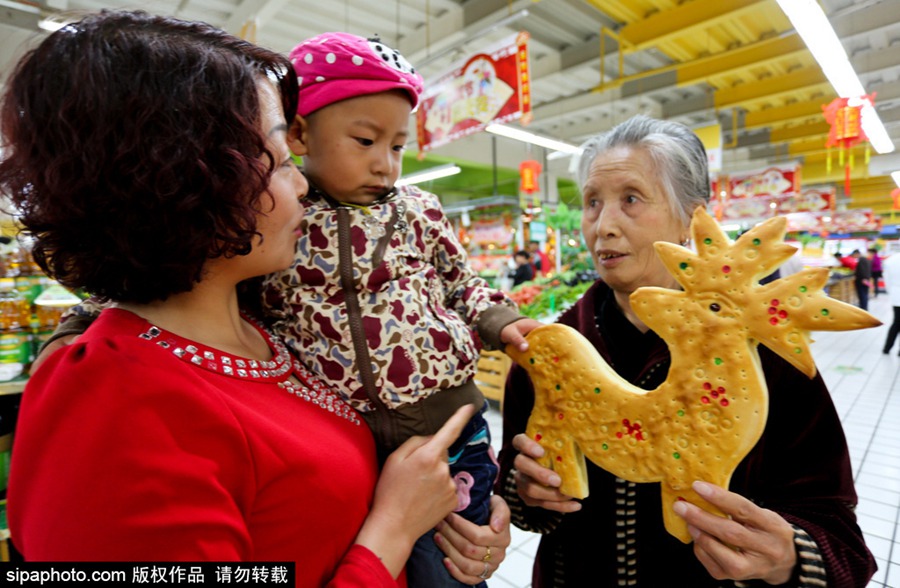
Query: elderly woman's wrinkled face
[(625, 212)]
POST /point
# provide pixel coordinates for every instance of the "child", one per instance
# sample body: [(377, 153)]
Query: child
[(381, 298)]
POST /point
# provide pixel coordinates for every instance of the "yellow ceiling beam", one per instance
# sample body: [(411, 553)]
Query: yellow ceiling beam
[(792, 85), (814, 150), (815, 169), (794, 133), (683, 20), (740, 59), (873, 192), (783, 114), (743, 58), (859, 157), (618, 11), (809, 148)]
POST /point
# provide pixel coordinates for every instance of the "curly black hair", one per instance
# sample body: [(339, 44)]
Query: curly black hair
[(132, 152)]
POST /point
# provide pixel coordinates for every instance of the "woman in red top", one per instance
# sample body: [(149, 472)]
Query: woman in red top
[(154, 171)]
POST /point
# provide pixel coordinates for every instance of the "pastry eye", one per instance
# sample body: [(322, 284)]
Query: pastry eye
[(715, 307)]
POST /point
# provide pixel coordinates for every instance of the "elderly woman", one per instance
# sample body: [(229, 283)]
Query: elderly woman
[(791, 500), (154, 170)]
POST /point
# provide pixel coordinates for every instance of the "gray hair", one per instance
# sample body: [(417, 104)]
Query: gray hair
[(676, 150)]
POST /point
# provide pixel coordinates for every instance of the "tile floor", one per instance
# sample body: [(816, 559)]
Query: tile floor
[(865, 385)]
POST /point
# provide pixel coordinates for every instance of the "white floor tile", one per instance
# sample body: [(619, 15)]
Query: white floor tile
[(878, 510), (876, 527), (516, 569), (885, 471), (869, 493), (881, 574), (893, 576), (880, 547), (869, 479)]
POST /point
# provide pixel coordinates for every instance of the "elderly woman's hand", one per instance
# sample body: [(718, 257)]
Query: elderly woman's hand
[(475, 552), (537, 485), (754, 544)]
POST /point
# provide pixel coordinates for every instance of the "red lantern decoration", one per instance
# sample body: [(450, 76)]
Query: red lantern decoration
[(529, 171), (895, 197), (846, 130)]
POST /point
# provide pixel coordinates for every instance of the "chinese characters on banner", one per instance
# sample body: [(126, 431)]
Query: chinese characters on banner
[(809, 200), (755, 195), (776, 191), (491, 232), (491, 87), (859, 220)]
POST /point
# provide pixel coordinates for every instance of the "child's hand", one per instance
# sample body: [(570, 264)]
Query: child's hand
[(514, 333)]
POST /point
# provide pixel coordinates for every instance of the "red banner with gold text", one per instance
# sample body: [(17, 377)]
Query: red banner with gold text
[(490, 87)]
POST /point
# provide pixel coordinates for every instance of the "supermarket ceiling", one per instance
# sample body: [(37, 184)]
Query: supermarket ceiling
[(596, 62)]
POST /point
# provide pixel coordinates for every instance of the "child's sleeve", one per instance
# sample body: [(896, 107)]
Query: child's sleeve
[(483, 308), (76, 320)]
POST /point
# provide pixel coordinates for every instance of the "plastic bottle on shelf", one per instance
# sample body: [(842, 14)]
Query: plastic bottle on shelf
[(15, 331), (29, 280), (49, 307)]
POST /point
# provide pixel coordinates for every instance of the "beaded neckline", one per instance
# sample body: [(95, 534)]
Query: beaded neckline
[(224, 363), (275, 371)]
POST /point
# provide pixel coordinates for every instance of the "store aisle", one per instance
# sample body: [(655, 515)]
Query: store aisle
[(865, 385)]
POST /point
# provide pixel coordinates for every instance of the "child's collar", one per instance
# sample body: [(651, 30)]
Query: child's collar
[(314, 190)]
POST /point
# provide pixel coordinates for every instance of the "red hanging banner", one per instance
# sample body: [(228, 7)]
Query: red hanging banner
[(490, 87)]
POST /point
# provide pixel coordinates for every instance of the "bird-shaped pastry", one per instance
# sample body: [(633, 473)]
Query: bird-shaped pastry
[(711, 410)]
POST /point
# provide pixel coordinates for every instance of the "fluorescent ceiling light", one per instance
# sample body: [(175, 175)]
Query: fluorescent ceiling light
[(896, 176), (50, 25), (813, 27), (520, 135), (559, 155), (433, 173)]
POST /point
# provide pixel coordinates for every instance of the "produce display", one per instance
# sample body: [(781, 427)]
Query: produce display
[(545, 296)]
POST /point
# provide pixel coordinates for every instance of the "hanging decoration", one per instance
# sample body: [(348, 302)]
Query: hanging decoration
[(529, 171), (248, 30), (845, 117)]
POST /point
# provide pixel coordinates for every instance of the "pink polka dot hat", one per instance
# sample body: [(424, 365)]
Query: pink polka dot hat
[(335, 66)]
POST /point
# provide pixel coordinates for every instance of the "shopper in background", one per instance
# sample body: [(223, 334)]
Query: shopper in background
[(539, 260), (848, 262), (177, 428), (877, 271), (524, 271), (862, 276), (892, 284), (790, 502)]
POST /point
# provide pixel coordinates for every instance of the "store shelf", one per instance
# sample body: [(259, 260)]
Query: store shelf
[(842, 288), (14, 386)]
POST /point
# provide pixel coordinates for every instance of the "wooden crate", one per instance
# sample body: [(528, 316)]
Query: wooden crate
[(493, 366)]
